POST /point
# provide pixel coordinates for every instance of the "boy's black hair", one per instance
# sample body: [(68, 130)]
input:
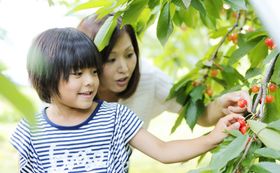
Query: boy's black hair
[(54, 54), (91, 25)]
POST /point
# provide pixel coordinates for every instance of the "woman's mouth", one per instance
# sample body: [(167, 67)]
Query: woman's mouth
[(122, 82)]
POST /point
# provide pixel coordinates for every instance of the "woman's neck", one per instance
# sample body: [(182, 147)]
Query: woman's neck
[(107, 95)]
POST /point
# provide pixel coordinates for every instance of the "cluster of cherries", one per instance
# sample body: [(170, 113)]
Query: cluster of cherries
[(272, 87), (242, 103)]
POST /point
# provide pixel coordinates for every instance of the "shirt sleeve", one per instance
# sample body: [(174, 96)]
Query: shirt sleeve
[(131, 123), (20, 139)]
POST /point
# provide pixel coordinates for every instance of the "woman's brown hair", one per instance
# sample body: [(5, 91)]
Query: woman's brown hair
[(90, 25)]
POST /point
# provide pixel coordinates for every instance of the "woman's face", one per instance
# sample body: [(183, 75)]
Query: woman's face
[(120, 66)]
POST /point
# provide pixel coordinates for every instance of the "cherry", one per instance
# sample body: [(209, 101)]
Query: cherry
[(255, 89), (272, 87), (241, 122), (269, 43), (196, 83), (243, 129), (242, 103), (269, 99), (233, 37), (209, 91), (214, 72)]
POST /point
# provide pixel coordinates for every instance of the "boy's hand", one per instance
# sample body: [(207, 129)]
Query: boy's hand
[(229, 122)]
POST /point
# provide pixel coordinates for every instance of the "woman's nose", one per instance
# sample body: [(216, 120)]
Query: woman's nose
[(123, 66)]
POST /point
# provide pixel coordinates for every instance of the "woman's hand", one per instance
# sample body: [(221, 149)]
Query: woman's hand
[(223, 105), (229, 102)]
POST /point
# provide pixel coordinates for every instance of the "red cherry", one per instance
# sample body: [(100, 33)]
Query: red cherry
[(243, 129), (255, 89), (242, 103), (272, 87), (214, 72), (269, 99), (209, 91), (233, 37), (269, 43), (241, 122)]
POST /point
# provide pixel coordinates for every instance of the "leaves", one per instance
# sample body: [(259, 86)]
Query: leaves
[(165, 25), (268, 136), (231, 151), (265, 167), (269, 153), (15, 97), (133, 11), (103, 36)]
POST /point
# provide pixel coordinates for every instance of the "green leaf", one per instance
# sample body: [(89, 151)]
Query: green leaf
[(204, 170), (255, 34), (237, 4), (272, 110), (252, 72), (265, 167), (164, 25), (153, 3), (244, 48), (197, 93), (104, 34), (133, 11), (197, 4), (274, 125), (220, 32), (178, 121), (233, 150), (16, 98), (90, 4), (182, 3), (193, 110), (269, 137), (213, 7), (258, 54), (275, 76), (269, 153)]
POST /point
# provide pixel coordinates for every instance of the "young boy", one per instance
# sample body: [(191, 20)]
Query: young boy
[(77, 132)]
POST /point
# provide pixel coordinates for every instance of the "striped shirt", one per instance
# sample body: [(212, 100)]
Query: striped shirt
[(99, 144)]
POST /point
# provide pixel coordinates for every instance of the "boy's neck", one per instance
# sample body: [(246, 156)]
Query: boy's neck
[(66, 116)]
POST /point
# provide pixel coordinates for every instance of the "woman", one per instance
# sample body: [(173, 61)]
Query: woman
[(142, 87)]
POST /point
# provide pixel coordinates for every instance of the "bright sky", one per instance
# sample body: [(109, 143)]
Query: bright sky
[(23, 20)]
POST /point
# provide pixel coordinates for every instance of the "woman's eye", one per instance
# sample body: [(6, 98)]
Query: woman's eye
[(130, 55), (111, 60)]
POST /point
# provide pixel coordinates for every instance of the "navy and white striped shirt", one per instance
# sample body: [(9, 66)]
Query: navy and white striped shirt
[(99, 144)]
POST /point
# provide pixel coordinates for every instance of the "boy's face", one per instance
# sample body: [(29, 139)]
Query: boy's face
[(79, 91)]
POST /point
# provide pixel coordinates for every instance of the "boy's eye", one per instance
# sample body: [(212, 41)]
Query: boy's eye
[(94, 71), (77, 73)]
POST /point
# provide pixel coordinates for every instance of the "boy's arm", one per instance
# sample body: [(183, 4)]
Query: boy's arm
[(183, 150)]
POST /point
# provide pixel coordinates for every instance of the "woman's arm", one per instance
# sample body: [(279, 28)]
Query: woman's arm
[(182, 150)]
